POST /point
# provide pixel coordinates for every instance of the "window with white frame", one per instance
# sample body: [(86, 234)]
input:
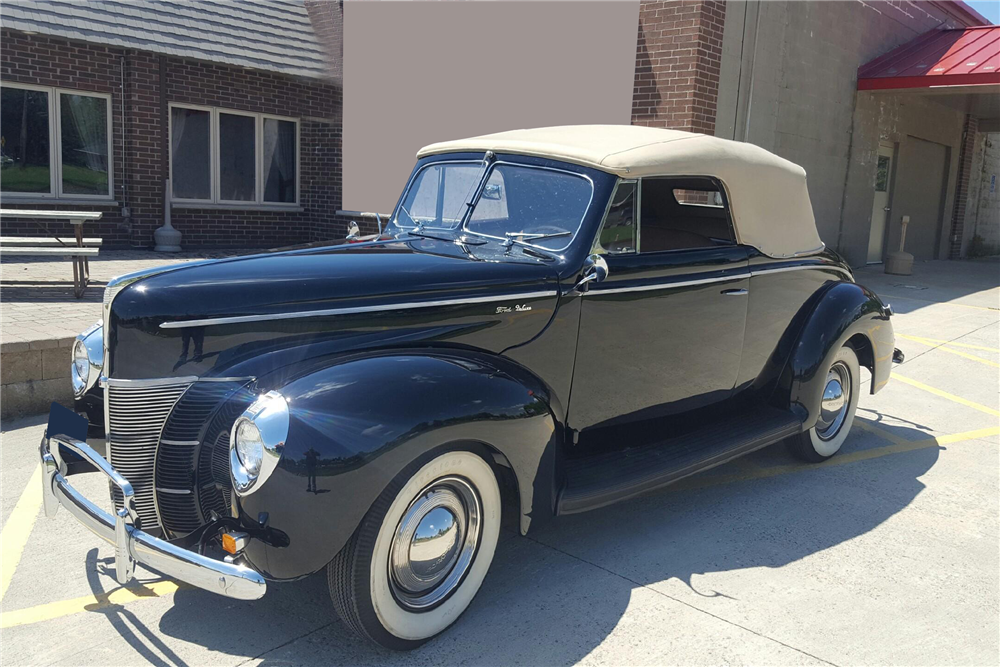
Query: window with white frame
[(55, 142), (223, 156)]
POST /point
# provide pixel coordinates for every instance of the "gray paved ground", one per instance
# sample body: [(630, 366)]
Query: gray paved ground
[(37, 293), (886, 555)]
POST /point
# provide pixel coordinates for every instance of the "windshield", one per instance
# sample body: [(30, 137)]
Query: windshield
[(531, 205)]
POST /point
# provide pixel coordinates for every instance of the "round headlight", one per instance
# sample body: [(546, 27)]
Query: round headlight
[(249, 447), (256, 442), (80, 373), (88, 359)]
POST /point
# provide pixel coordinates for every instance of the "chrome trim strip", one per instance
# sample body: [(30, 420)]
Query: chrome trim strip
[(133, 545), (180, 443), (353, 310), (155, 382), (660, 286), (176, 492), (800, 267)]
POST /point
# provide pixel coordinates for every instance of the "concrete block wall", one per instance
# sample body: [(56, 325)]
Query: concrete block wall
[(34, 375), (788, 84), (982, 221)]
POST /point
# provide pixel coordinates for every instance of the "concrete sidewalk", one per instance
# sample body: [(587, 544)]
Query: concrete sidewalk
[(885, 555), (41, 317)]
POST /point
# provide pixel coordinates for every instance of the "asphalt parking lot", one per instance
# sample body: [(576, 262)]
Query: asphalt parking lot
[(888, 554)]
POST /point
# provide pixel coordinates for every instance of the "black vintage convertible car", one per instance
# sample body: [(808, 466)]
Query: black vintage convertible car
[(551, 321)]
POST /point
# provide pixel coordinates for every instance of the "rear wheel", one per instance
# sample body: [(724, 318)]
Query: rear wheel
[(836, 412), (421, 553)]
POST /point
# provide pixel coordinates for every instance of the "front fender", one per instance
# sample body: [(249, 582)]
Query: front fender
[(840, 312), (356, 424)]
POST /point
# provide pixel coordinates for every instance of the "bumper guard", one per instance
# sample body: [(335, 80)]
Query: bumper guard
[(131, 544)]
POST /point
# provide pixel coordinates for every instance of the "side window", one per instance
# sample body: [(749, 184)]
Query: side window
[(618, 232), (683, 213)]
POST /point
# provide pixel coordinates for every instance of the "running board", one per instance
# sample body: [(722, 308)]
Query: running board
[(605, 478)]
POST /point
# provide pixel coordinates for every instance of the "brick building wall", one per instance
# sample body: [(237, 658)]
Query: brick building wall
[(678, 56), (962, 186), (141, 167), (41, 61)]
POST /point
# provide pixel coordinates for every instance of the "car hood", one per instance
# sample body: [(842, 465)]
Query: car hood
[(226, 316)]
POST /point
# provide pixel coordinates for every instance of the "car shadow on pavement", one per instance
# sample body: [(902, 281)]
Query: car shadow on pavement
[(553, 597)]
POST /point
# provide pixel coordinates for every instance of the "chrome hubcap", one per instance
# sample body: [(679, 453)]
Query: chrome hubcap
[(435, 543), (836, 400)]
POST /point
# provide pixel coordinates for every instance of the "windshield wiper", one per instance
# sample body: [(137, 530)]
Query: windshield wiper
[(521, 238)]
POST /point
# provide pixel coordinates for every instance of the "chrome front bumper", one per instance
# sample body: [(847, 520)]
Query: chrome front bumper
[(131, 544)]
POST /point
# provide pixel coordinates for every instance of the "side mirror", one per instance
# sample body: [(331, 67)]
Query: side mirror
[(353, 231), (594, 270)]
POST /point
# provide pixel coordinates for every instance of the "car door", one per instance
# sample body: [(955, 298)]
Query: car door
[(663, 333)]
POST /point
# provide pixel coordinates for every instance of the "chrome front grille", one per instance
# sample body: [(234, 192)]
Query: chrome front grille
[(136, 413)]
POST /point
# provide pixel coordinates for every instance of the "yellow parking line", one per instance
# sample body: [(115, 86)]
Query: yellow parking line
[(943, 348), (17, 530), (951, 343), (120, 596), (944, 394)]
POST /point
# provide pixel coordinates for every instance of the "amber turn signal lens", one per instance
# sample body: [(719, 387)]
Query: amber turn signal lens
[(229, 543)]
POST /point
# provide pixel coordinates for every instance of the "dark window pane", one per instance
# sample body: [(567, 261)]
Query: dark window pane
[(618, 233), (882, 174), (24, 141), (279, 160), (84, 144), (189, 153), (237, 163), (681, 213)]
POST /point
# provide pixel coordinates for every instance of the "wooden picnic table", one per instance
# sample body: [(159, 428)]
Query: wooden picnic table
[(78, 253)]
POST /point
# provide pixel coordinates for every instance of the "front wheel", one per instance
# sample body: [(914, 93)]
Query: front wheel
[(836, 410), (421, 552)]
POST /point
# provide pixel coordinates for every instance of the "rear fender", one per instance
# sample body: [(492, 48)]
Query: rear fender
[(839, 313), (358, 423)]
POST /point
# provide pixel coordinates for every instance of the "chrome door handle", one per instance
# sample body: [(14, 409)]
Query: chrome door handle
[(734, 292)]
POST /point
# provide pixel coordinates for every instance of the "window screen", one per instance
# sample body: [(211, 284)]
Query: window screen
[(279, 160), (84, 144), (683, 213), (190, 150), (237, 166)]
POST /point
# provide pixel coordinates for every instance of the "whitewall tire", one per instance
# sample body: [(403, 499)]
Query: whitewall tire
[(839, 402), (421, 553)]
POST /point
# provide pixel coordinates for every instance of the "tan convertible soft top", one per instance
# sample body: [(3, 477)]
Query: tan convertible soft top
[(767, 194)]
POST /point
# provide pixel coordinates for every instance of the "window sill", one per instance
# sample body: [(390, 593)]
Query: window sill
[(8, 200), (207, 206)]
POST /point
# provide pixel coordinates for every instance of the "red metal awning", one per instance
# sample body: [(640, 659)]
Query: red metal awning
[(957, 57)]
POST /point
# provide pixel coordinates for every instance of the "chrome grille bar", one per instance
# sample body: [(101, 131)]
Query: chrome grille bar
[(136, 411)]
